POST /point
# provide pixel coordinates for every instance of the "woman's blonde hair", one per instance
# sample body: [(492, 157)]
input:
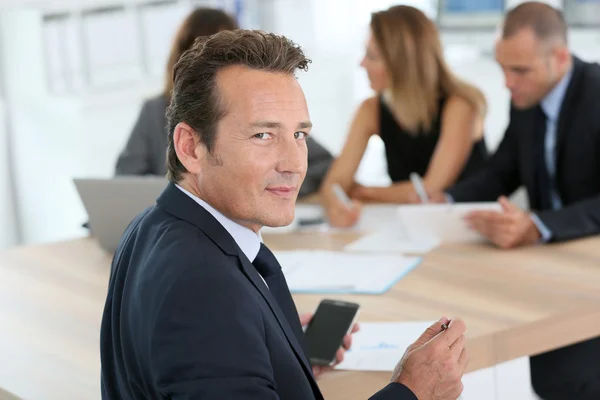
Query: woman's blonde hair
[(419, 76), (201, 22)]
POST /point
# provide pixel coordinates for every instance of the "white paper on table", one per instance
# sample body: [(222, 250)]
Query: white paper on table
[(443, 222), (378, 346), (372, 218), (390, 241), (337, 272), (303, 213)]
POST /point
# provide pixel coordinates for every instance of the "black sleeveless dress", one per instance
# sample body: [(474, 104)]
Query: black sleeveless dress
[(406, 152)]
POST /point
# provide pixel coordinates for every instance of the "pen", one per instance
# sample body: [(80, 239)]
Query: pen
[(445, 326), (341, 195), (419, 187)]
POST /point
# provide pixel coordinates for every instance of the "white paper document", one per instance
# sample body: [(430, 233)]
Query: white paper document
[(443, 222), (392, 241), (337, 272), (378, 346), (372, 218)]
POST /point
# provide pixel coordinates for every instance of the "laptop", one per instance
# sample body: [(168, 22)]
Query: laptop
[(113, 203)]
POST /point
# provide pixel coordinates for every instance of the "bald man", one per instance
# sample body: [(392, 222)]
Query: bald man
[(552, 147)]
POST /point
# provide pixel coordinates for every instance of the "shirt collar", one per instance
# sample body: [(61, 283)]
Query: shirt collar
[(551, 104), (247, 240)]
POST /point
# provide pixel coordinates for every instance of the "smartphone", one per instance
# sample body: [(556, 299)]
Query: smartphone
[(325, 333)]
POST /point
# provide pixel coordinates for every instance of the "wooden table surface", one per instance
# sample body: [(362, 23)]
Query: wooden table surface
[(515, 303)]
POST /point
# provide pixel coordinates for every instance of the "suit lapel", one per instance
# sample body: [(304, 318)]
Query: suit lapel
[(251, 273), (178, 204)]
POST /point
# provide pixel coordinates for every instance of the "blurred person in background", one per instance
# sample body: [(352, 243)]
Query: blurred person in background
[(552, 147), (430, 121), (144, 153)]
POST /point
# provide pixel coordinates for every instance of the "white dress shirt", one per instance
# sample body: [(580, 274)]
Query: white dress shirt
[(247, 240)]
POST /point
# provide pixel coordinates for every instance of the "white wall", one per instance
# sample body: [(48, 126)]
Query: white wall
[(8, 226), (56, 138)]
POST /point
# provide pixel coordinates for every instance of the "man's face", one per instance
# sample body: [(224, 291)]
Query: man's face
[(259, 158), (529, 67)]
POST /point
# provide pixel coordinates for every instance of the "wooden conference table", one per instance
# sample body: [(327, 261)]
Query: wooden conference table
[(515, 303)]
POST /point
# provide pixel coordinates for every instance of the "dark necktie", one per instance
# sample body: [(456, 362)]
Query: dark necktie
[(543, 182), (268, 267)]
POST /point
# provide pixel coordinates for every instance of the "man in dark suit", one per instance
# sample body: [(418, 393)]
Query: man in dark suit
[(552, 147), (197, 306)]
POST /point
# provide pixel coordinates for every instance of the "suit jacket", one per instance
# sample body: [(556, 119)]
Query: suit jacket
[(145, 151), (187, 316), (577, 160)]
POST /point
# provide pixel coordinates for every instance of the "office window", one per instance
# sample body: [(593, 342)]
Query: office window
[(470, 14), (62, 53), (111, 45), (158, 25), (582, 13)]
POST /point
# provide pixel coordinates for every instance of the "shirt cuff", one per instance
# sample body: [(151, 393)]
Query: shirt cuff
[(449, 198), (544, 230)]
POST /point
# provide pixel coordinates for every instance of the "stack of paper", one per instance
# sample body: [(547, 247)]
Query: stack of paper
[(443, 222), (379, 346), (390, 241), (337, 272)]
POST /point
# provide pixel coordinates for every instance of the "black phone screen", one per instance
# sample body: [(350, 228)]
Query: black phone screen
[(326, 330)]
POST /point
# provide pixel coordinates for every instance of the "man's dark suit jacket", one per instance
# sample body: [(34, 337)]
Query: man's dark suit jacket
[(187, 316), (577, 160), (146, 148)]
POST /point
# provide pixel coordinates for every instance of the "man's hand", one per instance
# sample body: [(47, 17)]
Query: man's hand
[(339, 356), (433, 366), (511, 228)]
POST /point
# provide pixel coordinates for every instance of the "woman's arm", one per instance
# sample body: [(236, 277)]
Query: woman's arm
[(344, 168)]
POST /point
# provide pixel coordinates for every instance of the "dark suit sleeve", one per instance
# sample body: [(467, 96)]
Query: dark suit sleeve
[(394, 391), (574, 221), (209, 342), (319, 161), (499, 177), (135, 157)]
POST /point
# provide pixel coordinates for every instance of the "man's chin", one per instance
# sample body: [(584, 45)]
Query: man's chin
[(278, 224), (279, 221)]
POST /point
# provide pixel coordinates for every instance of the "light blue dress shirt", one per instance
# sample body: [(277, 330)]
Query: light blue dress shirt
[(551, 105)]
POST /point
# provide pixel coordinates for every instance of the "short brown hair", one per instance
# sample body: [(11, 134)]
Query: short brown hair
[(195, 98), (202, 21), (547, 22)]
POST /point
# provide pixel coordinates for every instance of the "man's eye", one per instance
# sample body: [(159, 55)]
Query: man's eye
[(300, 135), (263, 136)]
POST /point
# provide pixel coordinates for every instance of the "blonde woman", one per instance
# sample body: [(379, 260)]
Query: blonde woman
[(430, 121)]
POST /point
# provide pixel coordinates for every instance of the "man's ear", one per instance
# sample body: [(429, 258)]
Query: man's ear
[(562, 54), (190, 151)]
